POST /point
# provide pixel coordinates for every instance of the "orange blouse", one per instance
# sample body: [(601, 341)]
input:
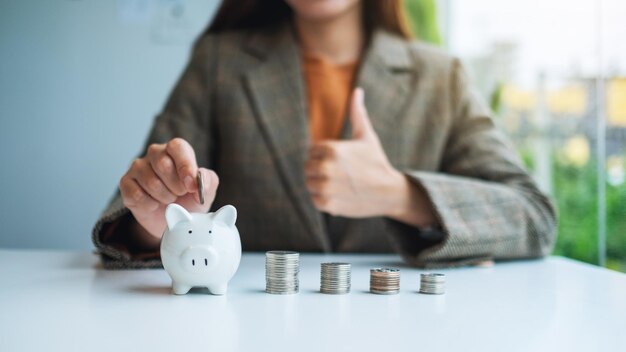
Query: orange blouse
[(328, 92)]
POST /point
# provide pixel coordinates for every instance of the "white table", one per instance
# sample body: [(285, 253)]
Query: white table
[(62, 301)]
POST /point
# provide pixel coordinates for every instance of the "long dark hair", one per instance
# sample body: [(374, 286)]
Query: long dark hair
[(242, 14)]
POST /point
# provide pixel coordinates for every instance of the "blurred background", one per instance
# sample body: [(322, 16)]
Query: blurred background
[(81, 80)]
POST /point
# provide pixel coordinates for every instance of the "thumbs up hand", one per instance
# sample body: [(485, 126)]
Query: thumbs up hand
[(354, 178)]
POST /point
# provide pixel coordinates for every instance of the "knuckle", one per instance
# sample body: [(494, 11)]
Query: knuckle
[(309, 167), (324, 168), (171, 198), (182, 168), (124, 189), (122, 183), (164, 164), (128, 202), (323, 201), (154, 186), (310, 186), (323, 188), (330, 152), (137, 197), (153, 149), (151, 205), (176, 143), (136, 164)]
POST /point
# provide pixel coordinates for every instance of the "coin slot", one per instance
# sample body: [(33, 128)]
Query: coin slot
[(193, 262)]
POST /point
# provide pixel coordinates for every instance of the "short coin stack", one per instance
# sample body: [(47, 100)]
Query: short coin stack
[(433, 284), (335, 278), (281, 272), (385, 281)]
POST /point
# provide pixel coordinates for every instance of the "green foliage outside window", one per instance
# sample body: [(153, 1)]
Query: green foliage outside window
[(576, 197), (422, 18)]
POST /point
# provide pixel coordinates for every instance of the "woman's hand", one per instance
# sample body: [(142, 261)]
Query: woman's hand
[(166, 174), (354, 178)]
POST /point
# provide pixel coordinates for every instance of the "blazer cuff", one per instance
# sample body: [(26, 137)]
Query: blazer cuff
[(457, 244), (114, 242)]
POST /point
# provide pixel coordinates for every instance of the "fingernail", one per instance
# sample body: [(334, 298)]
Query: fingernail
[(189, 183)]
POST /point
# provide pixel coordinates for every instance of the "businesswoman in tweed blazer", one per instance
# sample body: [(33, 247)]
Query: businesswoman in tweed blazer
[(330, 130)]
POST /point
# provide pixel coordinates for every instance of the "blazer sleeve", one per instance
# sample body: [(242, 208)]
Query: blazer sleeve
[(186, 115), (487, 204)]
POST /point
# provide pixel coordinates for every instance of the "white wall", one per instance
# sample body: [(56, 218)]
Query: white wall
[(80, 82)]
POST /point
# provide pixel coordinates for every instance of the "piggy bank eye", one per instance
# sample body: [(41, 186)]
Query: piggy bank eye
[(189, 231), (210, 231)]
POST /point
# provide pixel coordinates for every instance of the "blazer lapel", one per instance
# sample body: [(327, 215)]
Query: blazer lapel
[(386, 75), (276, 89)]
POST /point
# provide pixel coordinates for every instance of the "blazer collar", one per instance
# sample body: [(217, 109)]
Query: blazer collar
[(390, 49)]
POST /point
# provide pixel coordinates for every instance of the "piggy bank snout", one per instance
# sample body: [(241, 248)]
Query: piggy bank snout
[(198, 258)]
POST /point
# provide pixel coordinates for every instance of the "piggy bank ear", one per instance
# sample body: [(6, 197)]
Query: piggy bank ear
[(226, 214), (174, 214)]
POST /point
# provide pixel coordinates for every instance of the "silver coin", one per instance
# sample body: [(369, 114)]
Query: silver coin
[(282, 254), (430, 277), (200, 182), (281, 292), (381, 292), (385, 271), (432, 292), (335, 292)]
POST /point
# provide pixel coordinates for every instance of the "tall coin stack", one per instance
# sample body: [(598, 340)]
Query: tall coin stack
[(335, 278), (385, 281), (281, 272), (433, 284)]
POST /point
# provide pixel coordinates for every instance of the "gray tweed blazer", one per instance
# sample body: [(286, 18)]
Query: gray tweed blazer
[(241, 104)]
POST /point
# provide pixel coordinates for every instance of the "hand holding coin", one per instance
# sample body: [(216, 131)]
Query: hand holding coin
[(168, 173)]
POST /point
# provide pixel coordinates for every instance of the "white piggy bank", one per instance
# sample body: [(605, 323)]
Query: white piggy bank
[(200, 250)]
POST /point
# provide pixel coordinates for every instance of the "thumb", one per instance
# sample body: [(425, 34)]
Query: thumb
[(359, 119)]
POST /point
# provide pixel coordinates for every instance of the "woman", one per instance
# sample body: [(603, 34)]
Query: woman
[(409, 160)]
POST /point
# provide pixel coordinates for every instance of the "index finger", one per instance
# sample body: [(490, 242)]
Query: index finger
[(184, 159)]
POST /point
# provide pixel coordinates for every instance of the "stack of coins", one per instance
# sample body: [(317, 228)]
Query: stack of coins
[(335, 278), (281, 272), (385, 281), (433, 284)]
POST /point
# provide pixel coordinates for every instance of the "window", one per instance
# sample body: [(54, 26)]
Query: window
[(554, 72)]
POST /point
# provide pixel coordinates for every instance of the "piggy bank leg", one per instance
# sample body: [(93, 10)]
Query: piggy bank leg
[(218, 289), (180, 289)]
